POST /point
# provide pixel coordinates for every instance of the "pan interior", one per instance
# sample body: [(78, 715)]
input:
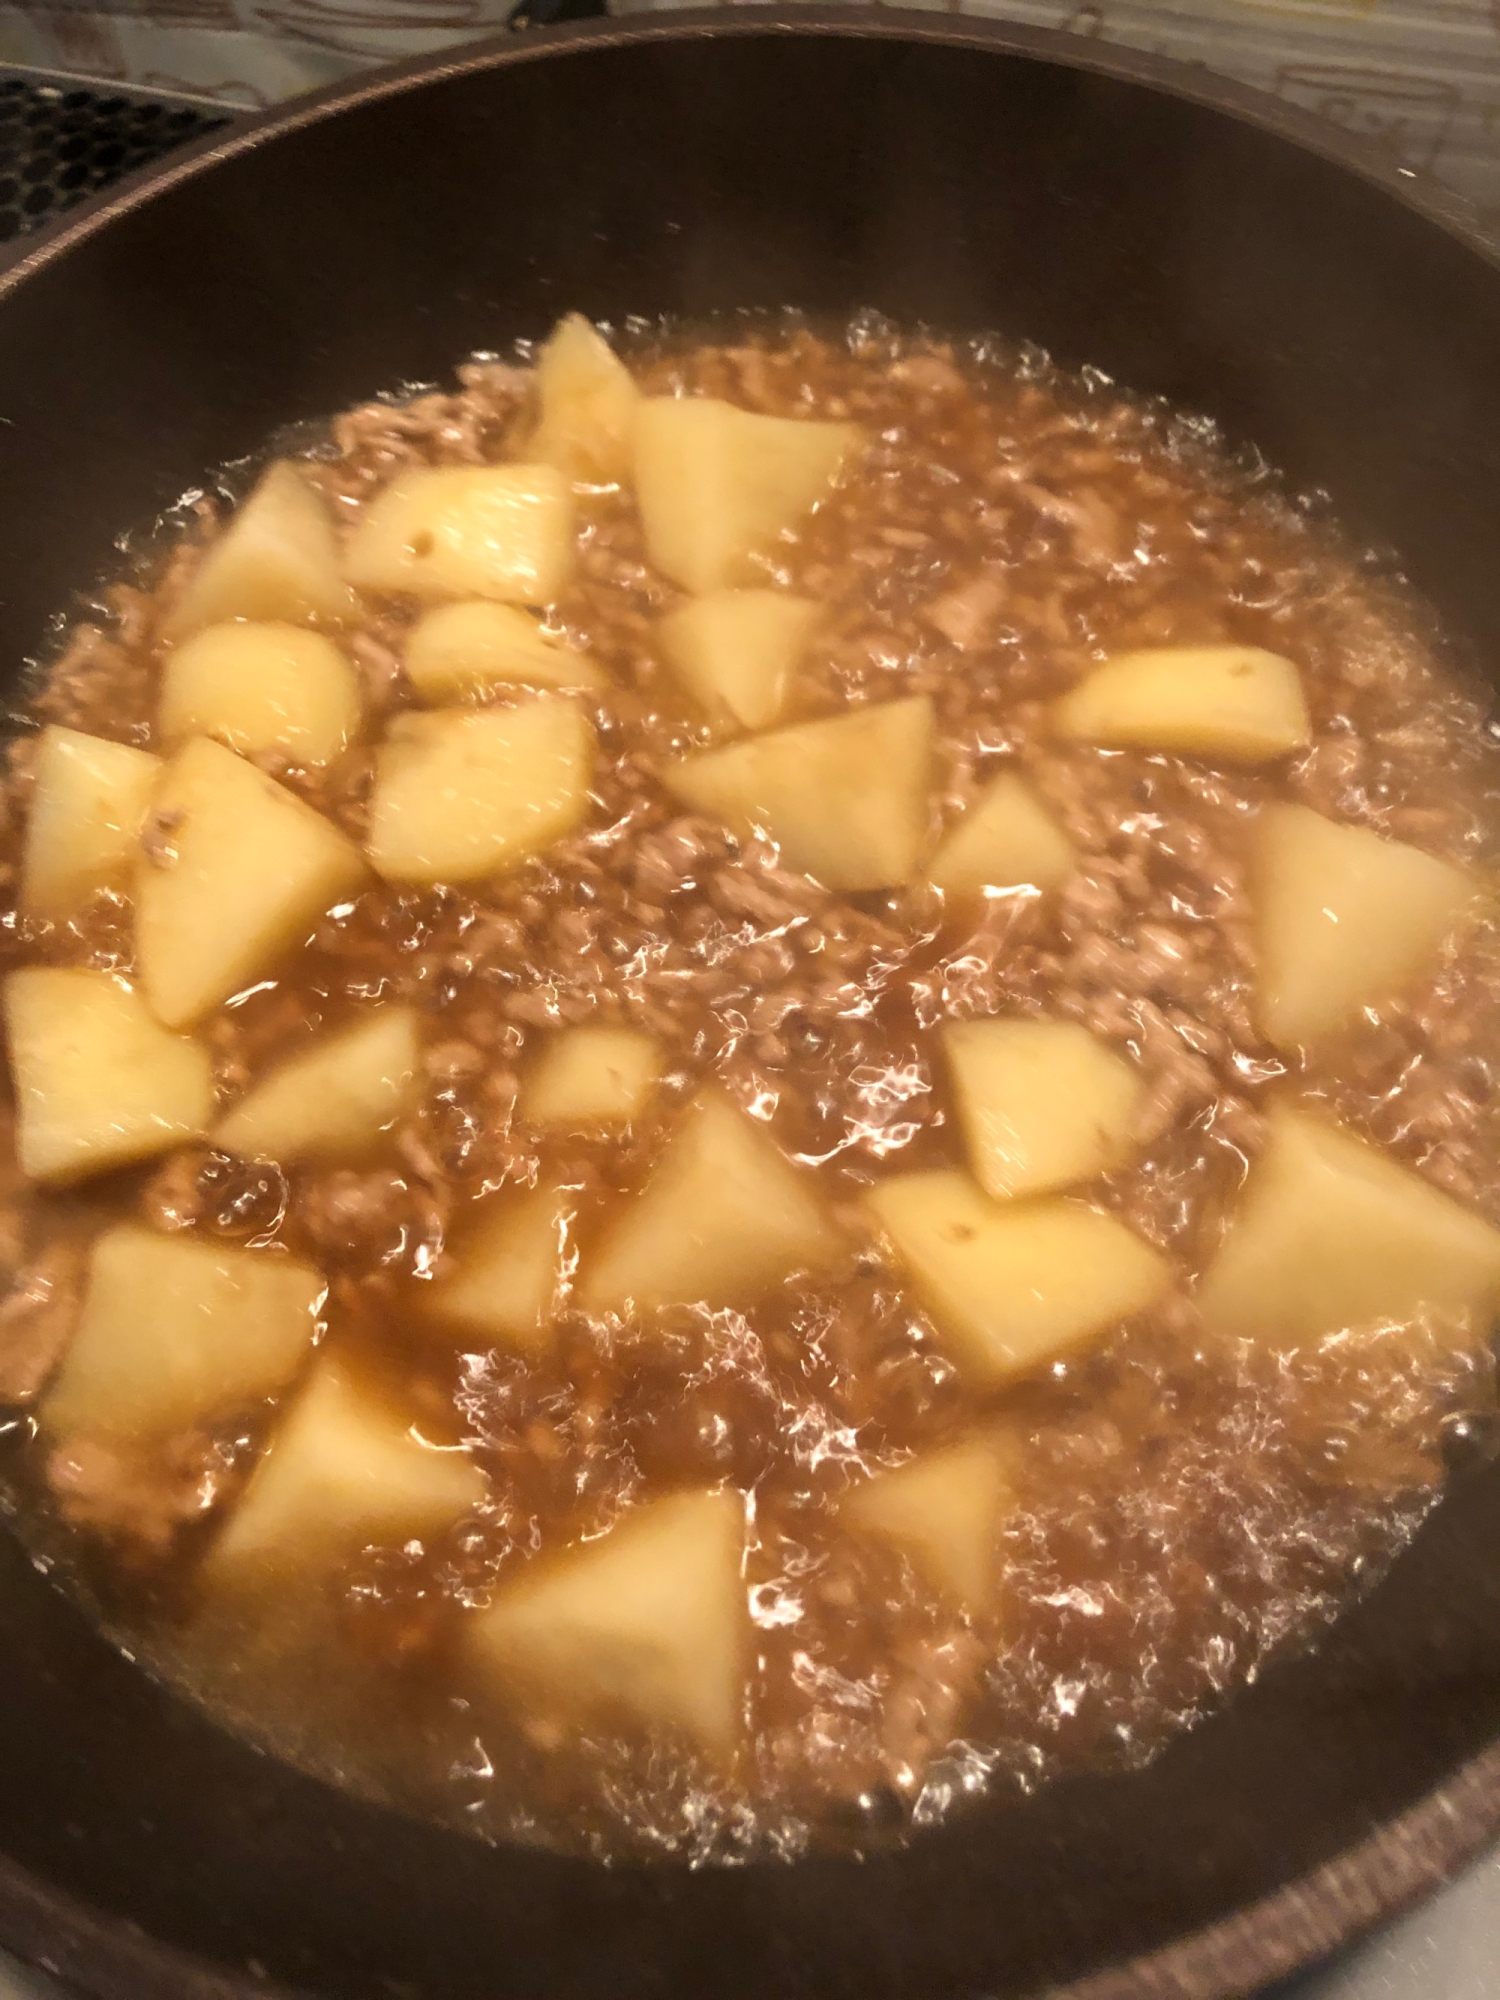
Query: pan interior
[(940, 184)]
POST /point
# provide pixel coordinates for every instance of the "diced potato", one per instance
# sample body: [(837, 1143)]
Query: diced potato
[(588, 405), (1230, 704), (503, 531), (510, 1270), (588, 1077), (716, 484), (844, 800), (1345, 919), (177, 1332), (461, 792), (234, 870), (277, 559), (724, 1217), (334, 1100), (342, 1471), (261, 687), (1333, 1235), (89, 799), (944, 1510), (735, 651), (1006, 838), (647, 1625), (459, 652), (1012, 1287), (99, 1080), (1043, 1104)]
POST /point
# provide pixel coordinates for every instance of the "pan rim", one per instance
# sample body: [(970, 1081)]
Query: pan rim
[(1446, 210), (1371, 1881), (1305, 1921)]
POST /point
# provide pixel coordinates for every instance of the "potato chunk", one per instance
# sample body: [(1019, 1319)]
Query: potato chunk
[(460, 792), (592, 1077), (342, 1471), (942, 1509), (1331, 1234), (87, 804), (234, 870), (1011, 1287), (508, 1278), (716, 484), (735, 651), (588, 405), (724, 1217), (262, 687), (98, 1079), (1344, 919), (1043, 1104), (334, 1100), (462, 652), (844, 800), (503, 531), (277, 559), (647, 1625), (176, 1332), (1230, 704), (1006, 839)]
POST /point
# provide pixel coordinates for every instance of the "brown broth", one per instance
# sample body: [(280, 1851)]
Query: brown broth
[(1186, 1506)]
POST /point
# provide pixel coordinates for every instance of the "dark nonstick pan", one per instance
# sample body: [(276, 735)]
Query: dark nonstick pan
[(1188, 238)]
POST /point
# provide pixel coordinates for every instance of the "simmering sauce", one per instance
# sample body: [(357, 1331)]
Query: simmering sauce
[(1128, 1510)]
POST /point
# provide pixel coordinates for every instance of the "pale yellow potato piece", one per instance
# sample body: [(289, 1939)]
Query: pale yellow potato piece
[(1344, 919), (461, 792), (1005, 840), (1043, 1104), (98, 1079), (509, 1276), (334, 1100), (734, 651), (1013, 1286), (241, 871), (461, 652), (1229, 704), (943, 1509), (588, 1077), (724, 1217), (259, 687), (176, 1332), (716, 484), (1331, 1234), (844, 800), (277, 559), (502, 531), (342, 1471), (87, 804), (647, 1625), (588, 405)]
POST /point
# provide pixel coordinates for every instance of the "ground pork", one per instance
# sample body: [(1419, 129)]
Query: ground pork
[(1177, 1509)]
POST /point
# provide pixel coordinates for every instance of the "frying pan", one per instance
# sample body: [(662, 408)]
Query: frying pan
[(1187, 237)]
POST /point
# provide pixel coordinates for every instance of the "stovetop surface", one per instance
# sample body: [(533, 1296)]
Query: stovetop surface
[(61, 140)]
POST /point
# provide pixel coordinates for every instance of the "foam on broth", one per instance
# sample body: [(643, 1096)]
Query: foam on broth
[(1184, 1505)]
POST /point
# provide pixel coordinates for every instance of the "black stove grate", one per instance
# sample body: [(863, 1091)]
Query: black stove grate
[(61, 141)]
